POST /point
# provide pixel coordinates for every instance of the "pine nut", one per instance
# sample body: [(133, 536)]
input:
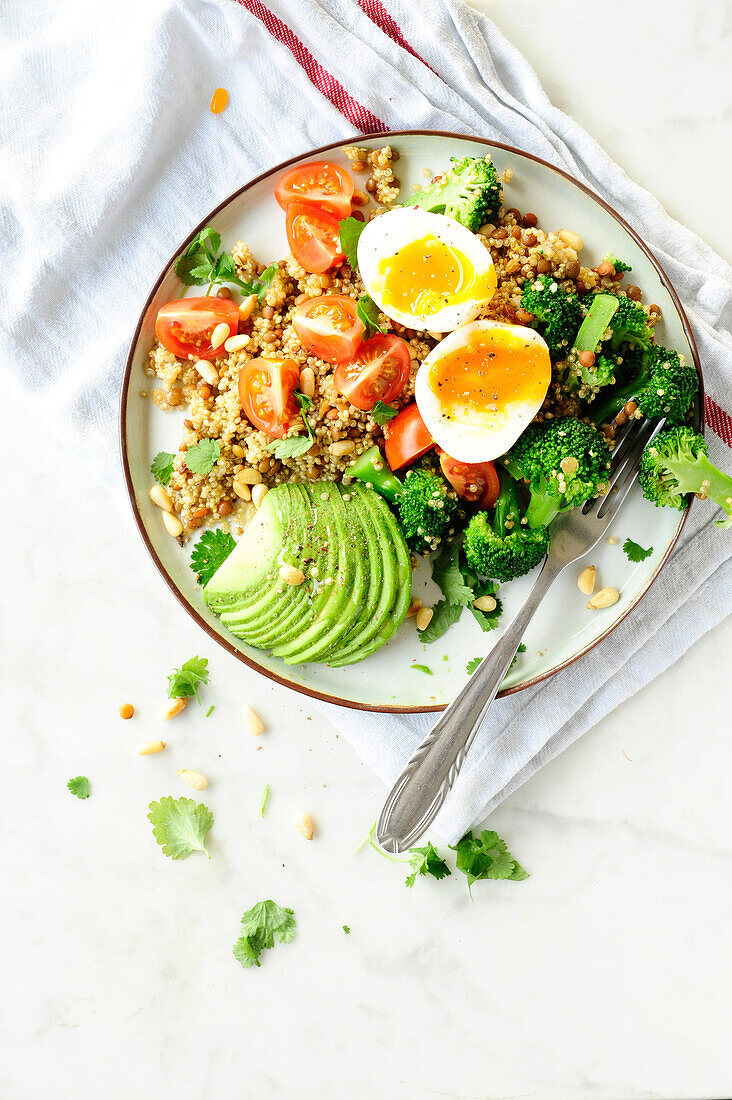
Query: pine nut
[(236, 343), (220, 333), (259, 492), (414, 607), (485, 603), (249, 476), (290, 574), (193, 779), (304, 824), (149, 748), (241, 488), (342, 447), (253, 722), (435, 335), (569, 465), (572, 239), (206, 370), (307, 381), (176, 707), (424, 617), (606, 597), (160, 498), (173, 525), (247, 306), (586, 580)]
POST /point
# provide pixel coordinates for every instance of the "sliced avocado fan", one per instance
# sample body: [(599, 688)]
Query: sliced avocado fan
[(356, 568)]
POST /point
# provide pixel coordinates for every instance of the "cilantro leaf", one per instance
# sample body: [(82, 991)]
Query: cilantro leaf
[(292, 447), (634, 552), (367, 312), (162, 467), (346, 929), (261, 926), (472, 665), (486, 856), (79, 786), (211, 550), (423, 668), (426, 861), (448, 576), (180, 825), (350, 230), (201, 457), (295, 445), (185, 681), (260, 285), (521, 649), (487, 620), (444, 614), (382, 413)]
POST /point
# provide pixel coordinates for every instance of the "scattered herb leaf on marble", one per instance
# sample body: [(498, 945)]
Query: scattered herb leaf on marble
[(180, 825), (186, 680), (261, 926), (79, 786), (486, 856), (426, 861)]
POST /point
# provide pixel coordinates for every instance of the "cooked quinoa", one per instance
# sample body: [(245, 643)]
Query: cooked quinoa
[(520, 250)]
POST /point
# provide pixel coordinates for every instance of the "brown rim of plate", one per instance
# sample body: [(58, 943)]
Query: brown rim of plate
[(360, 138)]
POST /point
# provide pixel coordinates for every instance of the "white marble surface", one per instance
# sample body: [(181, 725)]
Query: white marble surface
[(605, 975)]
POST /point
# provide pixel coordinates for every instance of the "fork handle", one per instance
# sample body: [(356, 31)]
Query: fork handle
[(423, 786)]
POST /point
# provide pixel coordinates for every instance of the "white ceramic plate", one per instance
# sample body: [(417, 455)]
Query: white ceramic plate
[(563, 629)]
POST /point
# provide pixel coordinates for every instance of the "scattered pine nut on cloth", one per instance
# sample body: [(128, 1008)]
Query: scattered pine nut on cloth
[(107, 162)]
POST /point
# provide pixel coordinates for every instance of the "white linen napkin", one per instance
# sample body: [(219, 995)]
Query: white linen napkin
[(110, 155)]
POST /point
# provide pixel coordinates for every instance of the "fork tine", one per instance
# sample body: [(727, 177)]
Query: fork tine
[(623, 476)]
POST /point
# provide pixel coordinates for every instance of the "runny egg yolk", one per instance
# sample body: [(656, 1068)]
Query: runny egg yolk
[(480, 381), (427, 275)]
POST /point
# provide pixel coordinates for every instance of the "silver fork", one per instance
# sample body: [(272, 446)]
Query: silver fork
[(426, 781)]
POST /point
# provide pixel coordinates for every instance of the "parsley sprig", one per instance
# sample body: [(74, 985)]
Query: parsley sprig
[(461, 588), (486, 856), (202, 264), (426, 861), (79, 786)]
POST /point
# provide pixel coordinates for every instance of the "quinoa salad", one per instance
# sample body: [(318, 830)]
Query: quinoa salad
[(433, 373)]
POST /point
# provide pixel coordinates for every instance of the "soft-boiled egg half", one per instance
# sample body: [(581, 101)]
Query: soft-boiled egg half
[(481, 386), (424, 270)]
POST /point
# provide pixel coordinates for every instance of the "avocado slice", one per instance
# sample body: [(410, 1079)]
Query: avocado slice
[(357, 575), (397, 586), (246, 589), (343, 596)]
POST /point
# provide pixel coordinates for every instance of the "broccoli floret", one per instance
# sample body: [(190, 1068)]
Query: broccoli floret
[(676, 463), (501, 548), (428, 510), (469, 192), (559, 313), (619, 265), (629, 327), (565, 462), (665, 386)]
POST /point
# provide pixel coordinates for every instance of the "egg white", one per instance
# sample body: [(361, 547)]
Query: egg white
[(386, 235), (466, 435)]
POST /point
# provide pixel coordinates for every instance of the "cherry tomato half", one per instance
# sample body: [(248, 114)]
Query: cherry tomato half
[(472, 480), (379, 372), (407, 438), (266, 388), (320, 183), (329, 327), (313, 237), (184, 327)]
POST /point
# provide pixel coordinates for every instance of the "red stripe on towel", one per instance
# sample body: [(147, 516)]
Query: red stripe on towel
[(718, 420), (355, 112), (381, 18)]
